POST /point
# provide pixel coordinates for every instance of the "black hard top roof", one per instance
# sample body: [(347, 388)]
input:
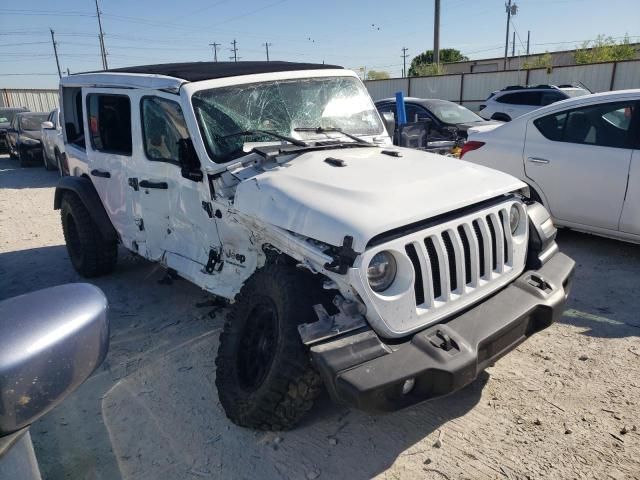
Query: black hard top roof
[(196, 71)]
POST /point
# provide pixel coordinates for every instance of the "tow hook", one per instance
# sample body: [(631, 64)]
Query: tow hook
[(443, 341)]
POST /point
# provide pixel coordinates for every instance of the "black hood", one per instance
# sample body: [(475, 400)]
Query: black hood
[(35, 134)]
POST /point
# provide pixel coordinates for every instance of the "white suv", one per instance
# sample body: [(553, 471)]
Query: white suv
[(515, 100), (390, 275)]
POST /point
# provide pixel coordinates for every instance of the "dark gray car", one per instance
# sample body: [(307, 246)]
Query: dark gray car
[(24, 137), (6, 117)]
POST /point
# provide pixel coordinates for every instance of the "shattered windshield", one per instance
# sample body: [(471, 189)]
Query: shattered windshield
[(281, 106)]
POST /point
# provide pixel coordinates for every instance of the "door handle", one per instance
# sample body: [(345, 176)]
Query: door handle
[(150, 184), (100, 173), (538, 160)]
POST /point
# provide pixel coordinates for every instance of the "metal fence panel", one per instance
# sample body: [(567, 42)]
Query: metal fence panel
[(379, 89), (595, 77), (627, 75), (478, 86), (36, 100), (445, 87)]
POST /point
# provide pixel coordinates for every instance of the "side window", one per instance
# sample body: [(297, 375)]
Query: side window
[(605, 125), (163, 126), (109, 120), (520, 98), (416, 113), (552, 97)]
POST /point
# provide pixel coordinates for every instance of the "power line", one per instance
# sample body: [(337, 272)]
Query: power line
[(404, 61), (266, 45), (55, 51), (103, 50), (234, 50), (215, 46)]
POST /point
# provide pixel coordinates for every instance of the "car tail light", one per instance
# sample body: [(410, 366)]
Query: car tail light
[(471, 145), (482, 107)]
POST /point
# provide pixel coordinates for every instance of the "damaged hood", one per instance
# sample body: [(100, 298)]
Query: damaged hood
[(371, 194)]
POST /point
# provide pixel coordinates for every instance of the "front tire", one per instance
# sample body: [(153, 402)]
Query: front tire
[(264, 377), (91, 254), (45, 159)]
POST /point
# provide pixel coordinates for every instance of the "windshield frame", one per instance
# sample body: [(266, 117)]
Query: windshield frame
[(190, 89)]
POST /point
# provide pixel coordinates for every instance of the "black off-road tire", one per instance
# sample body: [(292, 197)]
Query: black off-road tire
[(278, 398), (91, 254)]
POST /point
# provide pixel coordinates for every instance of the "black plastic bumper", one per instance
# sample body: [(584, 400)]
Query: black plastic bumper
[(363, 371)]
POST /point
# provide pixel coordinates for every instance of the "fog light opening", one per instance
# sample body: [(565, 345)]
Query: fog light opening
[(408, 385)]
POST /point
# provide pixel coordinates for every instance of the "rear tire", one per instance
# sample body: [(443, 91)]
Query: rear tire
[(264, 377), (91, 254), (45, 159)]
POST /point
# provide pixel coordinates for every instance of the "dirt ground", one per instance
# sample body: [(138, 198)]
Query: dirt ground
[(564, 405)]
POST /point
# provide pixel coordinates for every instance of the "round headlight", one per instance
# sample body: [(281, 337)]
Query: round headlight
[(514, 218), (382, 271)]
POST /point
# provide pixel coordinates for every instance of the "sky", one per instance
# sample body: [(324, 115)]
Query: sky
[(354, 34)]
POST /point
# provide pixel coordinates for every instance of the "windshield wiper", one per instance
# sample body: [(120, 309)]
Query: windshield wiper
[(332, 129), (298, 143)]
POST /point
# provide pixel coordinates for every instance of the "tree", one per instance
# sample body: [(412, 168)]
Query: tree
[(377, 75), (605, 49), (447, 55), (428, 70), (541, 61)]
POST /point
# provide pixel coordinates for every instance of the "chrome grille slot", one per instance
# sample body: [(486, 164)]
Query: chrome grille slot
[(457, 259)]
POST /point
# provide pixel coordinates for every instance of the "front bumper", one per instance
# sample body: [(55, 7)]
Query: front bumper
[(363, 371)]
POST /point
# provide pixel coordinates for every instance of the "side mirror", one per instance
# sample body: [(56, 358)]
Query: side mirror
[(389, 122), (48, 126), (189, 161), (52, 340)]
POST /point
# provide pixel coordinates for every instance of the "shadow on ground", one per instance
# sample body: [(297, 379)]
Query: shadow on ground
[(13, 176), (604, 297)]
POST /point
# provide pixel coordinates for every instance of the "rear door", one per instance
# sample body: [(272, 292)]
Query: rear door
[(580, 158), (109, 156)]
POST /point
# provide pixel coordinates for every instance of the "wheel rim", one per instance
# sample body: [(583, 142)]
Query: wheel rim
[(73, 239), (258, 345)]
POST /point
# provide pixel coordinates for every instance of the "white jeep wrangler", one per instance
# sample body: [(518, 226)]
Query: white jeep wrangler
[(390, 275)]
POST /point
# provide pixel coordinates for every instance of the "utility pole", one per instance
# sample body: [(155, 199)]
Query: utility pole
[(266, 46), (436, 33), (234, 50), (55, 51), (511, 10), (404, 61), (513, 45), (528, 38), (215, 46), (103, 50)]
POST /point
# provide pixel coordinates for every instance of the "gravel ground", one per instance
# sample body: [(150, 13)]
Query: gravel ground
[(564, 405)]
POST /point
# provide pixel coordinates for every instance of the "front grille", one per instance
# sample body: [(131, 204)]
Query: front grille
[(454, 261)]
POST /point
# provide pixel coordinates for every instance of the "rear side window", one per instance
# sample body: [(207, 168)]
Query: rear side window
[(605, 125), (163, 126), (521, 98), (109, 121)]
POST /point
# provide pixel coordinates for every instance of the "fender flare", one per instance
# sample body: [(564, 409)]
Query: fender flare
[(87, 193)]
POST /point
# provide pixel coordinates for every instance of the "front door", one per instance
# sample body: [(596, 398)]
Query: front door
[(580, 159), (177, 227)]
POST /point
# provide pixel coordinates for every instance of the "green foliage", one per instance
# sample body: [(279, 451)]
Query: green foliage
[(377, 75), (427, 70), (604, 49), (447, 55), (542, 61)]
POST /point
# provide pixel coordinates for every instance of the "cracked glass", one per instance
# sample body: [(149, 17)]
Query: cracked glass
[(281, 106)]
